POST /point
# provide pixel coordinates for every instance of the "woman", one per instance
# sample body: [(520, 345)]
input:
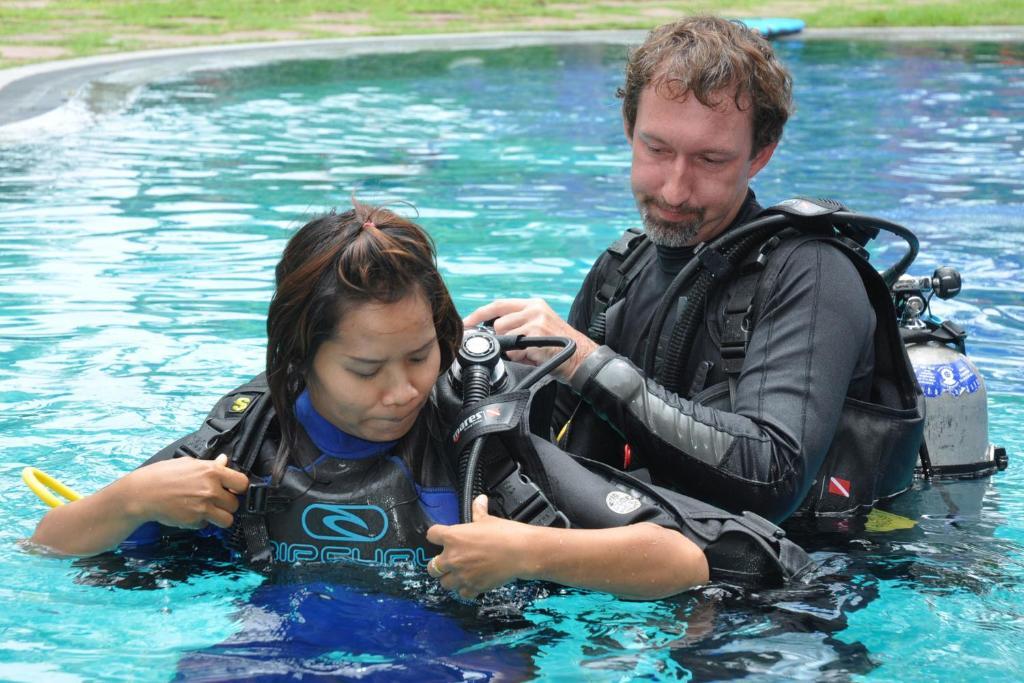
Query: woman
[(359, 329)]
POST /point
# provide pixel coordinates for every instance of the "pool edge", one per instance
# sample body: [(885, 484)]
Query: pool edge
[(30, 93)]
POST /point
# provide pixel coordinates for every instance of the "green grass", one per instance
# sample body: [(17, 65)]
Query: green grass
[(87, 27), (897, 13)]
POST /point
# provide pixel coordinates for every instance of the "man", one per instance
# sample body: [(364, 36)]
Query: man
[(704, 104)]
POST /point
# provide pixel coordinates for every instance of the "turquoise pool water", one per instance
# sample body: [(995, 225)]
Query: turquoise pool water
[(136, 259)]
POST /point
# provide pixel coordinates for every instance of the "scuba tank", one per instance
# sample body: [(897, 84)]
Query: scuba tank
[(956, 410), (956, 419)]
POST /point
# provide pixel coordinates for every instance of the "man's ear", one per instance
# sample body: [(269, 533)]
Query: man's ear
[(626, 130), (761, 159)]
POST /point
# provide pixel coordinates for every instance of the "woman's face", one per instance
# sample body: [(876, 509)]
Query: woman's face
[(374, 375)]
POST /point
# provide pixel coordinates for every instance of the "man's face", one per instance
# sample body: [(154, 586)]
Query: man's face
[(691, 165)]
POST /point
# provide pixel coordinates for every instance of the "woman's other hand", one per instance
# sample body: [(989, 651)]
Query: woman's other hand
[(479, 556), (181, 492)]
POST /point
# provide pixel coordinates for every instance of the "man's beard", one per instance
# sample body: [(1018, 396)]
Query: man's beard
[(670, 233)]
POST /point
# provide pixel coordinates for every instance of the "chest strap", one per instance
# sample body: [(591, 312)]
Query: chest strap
[(740, 316), (624, 262)]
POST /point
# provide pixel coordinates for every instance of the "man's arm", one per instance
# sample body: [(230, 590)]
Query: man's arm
[(816, 324)]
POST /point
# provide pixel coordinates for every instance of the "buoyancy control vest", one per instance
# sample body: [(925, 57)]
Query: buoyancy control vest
[(877, 442), (367, 510), (527, 479)]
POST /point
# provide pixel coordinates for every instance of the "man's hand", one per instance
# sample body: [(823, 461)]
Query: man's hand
[(479, 556), (534, 318)]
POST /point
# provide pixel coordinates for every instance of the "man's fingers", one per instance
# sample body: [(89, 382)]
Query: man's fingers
[(495, 309)]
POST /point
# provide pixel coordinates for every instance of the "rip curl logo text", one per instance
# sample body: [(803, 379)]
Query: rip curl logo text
[(352, 523)]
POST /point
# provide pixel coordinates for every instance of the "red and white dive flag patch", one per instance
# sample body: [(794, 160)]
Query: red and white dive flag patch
[(839, 487)]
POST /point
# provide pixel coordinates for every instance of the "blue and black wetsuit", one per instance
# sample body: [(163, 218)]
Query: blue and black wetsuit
[(353, 500)]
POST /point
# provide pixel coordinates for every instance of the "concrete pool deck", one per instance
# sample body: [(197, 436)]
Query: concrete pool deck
[(32, 93)]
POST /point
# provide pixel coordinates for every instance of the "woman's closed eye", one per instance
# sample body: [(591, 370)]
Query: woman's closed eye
[(365, 373)]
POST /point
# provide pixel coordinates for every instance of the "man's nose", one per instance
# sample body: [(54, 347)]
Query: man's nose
[(678, 185)]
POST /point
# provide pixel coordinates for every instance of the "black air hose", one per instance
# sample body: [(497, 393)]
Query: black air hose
[(685, 329), (760, 229), (476, 386), (891, 274)]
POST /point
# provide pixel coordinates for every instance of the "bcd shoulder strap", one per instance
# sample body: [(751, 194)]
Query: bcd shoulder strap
[(512, 472), (754, 278), (231, 416), (238, 425)]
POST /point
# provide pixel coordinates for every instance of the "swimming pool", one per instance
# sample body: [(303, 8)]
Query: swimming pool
[(136, 265)]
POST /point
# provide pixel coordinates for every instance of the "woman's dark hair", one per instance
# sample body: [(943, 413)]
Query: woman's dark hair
[(332, 264)]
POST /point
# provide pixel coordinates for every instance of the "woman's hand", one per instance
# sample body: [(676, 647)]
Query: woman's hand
[(182, 492), (640, 561), (479, 556), (185, 492)]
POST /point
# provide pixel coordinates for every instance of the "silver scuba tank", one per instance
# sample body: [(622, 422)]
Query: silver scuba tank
[(956, 402)]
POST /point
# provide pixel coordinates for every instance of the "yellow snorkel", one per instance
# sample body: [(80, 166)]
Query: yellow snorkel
[(43, 485)]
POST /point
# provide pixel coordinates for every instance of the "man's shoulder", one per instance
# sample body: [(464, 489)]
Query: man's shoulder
[(821, 261)]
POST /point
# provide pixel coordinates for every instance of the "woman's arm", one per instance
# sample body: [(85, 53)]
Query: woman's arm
[(640, 561), (182, 492)]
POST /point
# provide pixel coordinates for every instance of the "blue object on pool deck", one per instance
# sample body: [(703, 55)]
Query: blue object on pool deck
[(773, 27)]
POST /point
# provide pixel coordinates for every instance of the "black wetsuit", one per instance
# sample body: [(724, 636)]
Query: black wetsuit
[(811, 348)]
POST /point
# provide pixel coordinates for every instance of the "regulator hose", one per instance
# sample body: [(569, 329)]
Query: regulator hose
[(470, 474)]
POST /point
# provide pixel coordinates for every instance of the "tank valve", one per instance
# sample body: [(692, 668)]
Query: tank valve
[(946, 282)]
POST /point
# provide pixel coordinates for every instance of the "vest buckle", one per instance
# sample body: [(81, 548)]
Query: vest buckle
[(256, 498), (521, 500)]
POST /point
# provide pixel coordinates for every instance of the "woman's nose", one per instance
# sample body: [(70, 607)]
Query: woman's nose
[(401, 391)]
